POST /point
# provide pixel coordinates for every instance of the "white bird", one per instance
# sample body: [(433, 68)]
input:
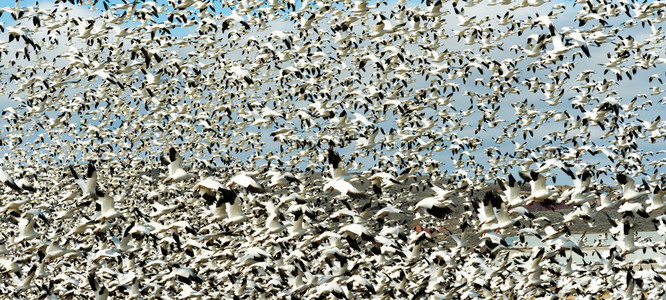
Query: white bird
[(629, 192), (385, 180), (486, 211), (244, 180), (54, 250), (13, 207), (656, 200), (279, 179), (175, 163), (539, 193), (89, 184), (628, 245), (335, 163), (101, 292), (581, 182), (629, 209), (27, 282), (108, 208), (358, 231), (208, 188), (27, 230), (160, 209), (344, 188), (8, 181), (23, 183), (579, 198), (511, 192), (606, 201), (438, 205), (504, 221), (183, 274), (235, 213), (367, 142)]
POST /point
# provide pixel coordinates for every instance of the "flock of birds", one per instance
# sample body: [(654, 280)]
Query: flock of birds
[(192, 149)]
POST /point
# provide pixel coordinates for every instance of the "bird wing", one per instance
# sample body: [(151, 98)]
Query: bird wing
[(8, 181)]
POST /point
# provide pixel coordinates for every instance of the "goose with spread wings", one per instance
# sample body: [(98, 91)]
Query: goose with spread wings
[(175, 163), (338, 174)]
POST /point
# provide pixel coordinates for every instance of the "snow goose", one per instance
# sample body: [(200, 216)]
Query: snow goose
[(335, 162), (358, 231), (23, 183), (279, 179), (338, 175), (13, 208), (584, 212), (511, 192), (8, 181), (367, 142), (54, 250), (175, 163), (69, 213), (27, 230), (485, 211), (27, 282), (656, 200), (629, 209), (578, 198), (208, 188), (89, 184), (182, 274), (101, 292), (504, 221), (235, 213), (628, 245), (219, 210), (244, 180), (298, 228), (581, 182), (344, 188), (629, 192), (606, 201), (161, 210), (108, 208), (540, 193), (386, 180), (438, 205), (552, 233)]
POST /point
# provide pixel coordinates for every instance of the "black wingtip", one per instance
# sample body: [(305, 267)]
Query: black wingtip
[(439, 211), (76, 175), (586, 50), (13, 186), (93, 282), (255, 190), (172, 154), (357, 196), (377, 189), (210, 199), (164, 161), (228, 196), (91, 170), (501, 185), (534, 175), (333, 158)]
